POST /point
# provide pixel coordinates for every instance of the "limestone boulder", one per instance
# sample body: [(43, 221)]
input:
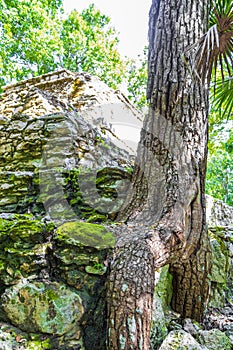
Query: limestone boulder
[(181, 340), (218, 213), (43, 307), (214, 339)]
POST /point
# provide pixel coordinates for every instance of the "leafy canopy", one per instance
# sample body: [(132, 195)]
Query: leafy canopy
[(219, 177), (90, 44), (29, 38), (136, 77), (36, 39)]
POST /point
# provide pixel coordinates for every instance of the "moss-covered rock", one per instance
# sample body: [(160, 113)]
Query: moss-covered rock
[(214, 339), (49, 308), (158, 327), (12, 338), (180, 340), (163, 287), (221, 274), (220, 261), (84, 234), (23, 247), (22, 231), (96, 269)]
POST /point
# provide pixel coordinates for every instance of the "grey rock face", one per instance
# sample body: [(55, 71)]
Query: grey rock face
[(177, 340), (214, 339)]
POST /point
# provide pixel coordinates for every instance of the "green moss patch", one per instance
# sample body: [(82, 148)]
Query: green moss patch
[(85, 234), (23, 247), (22, 229)]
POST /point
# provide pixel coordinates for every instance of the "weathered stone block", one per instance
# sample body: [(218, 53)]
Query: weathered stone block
[(44, 307), (177, 340), (214, 339)]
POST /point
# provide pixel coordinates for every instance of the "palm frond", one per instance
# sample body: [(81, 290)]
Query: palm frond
[(215, 47), (223, 98)]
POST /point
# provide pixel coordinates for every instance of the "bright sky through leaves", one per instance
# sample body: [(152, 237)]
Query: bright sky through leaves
[(130, 18)]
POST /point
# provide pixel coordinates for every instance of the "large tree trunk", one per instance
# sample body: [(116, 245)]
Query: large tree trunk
[(165, 211)]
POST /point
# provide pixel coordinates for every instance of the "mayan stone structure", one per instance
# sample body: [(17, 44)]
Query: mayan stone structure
[(67, 152), (63, 162), (34, 111)]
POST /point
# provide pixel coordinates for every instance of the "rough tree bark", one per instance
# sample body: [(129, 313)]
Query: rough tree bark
[(164, 217)]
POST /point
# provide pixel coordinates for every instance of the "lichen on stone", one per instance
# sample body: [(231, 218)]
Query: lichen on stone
[(214, 339), (44, 307), (180, 340)]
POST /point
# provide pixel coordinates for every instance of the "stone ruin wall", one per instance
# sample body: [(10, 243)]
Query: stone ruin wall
[(37, 258), (32, 110), (52, 282)]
